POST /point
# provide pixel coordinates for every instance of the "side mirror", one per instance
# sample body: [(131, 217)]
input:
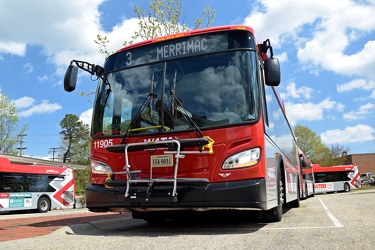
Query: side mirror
[(272, 71), (70, 79)]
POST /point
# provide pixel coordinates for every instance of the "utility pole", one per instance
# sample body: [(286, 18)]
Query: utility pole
[(53, 150), (21, 142)]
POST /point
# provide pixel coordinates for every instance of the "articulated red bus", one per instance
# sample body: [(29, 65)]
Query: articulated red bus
[(190, 121), (35, 187), (307, 180), (336, 178)]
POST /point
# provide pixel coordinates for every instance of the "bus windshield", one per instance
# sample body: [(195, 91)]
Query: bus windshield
[(217, 90)]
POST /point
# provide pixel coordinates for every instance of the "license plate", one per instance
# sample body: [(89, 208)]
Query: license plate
[(161, 161)]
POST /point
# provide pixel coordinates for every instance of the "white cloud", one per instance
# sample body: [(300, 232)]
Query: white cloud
[(65, 31), (24, 102), (43, 108), (283, 57), (303, 111), (358, 133), (322, 30), (15, 48), (122, 32), (28, 68), (356, 84), (85, 117), (364, 108), (360, 113), (53, 24), (310, 111), (116, 37), (328, 105), (292, 92), (351, 116), (267, 24), (42, 78)]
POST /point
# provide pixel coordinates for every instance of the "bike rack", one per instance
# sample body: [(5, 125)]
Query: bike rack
[(174, 146)]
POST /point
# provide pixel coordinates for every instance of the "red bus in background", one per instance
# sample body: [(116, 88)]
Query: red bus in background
[(190, 121), (307, 176), (336, 178), (35, 187)]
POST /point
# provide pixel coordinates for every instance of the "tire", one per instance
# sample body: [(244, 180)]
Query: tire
[(306, 191), (44, 205), (296, 203), (275, 214), (346, 187)]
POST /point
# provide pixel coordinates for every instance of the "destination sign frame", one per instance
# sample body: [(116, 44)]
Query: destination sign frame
[(181, 47)]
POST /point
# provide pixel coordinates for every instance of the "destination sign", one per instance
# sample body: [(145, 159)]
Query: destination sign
[(181, 47)]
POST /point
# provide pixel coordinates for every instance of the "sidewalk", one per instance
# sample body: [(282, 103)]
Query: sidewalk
[(29, 225)]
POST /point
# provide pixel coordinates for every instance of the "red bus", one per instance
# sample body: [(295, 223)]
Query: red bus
[(190, 121), (336, 178), (35, 187), (307, 177)]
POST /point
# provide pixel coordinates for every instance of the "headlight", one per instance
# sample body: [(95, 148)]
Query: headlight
[(244, 159), (98, 167)]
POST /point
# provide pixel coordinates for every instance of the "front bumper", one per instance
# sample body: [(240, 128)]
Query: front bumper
[(243, 194)]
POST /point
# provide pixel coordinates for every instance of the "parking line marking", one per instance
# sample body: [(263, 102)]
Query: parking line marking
[(335, 221), (294, 228)]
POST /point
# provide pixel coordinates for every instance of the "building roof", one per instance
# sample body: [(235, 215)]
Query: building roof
[(34, 161)]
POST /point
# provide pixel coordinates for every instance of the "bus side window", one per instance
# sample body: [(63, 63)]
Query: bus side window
[(13, 183)]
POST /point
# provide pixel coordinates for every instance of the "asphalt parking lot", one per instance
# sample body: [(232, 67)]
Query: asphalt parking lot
[(334, 221)]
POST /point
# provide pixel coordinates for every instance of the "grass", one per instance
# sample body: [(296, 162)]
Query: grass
[(367, 186)]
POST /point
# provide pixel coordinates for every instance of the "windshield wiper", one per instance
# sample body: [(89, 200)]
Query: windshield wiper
[(185, 113), (147, 103), (179, 107)]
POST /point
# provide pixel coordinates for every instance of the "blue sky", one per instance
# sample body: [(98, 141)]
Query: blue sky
[(326, 50)]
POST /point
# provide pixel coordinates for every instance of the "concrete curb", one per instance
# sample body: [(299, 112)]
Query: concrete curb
[(94, 227)]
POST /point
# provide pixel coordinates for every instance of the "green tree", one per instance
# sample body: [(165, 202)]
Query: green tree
[(9, 127), (75, 146), (337, 155), (311, 144), (82, 179), (313, 147), (75, 140), (164, 17)]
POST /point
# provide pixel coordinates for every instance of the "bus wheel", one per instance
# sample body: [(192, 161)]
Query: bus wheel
[(346, 187), (296, 203), (43, 205), (275, 214)]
